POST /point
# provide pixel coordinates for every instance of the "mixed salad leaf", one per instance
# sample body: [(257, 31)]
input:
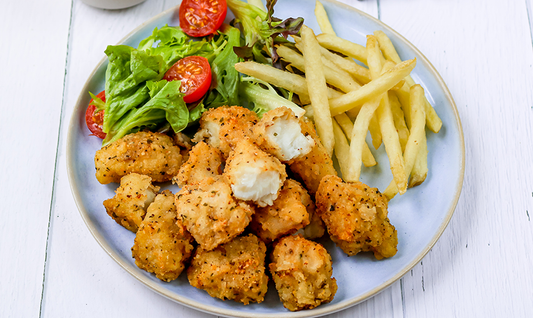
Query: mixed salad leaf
[(137, 97)]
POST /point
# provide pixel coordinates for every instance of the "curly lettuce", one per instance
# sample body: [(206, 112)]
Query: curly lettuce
[(138, 98)]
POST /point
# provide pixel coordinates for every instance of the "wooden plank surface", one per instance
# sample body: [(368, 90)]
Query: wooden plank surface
[(481, 266), (33, 58), (81, 279)]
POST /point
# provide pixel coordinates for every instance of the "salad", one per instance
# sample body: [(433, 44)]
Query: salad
[(178, 72)]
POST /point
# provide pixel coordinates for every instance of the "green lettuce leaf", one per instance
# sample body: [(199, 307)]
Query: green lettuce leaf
[(166, 105), (262, 97), (262, 30), (126, 74), (225, 89)]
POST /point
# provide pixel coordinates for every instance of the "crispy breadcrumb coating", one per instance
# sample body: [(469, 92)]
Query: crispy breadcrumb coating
[(144, 152), (224, 127), (235, 270), (356, 217), (312, 167), (162, 245), (279, 133), (184, 142), (253, 174), (131, 200), (302, 272), (316, 228), (204, 162), (287, 215), (210, 213)]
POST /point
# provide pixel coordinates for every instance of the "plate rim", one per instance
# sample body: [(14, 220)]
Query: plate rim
[(319, 311)]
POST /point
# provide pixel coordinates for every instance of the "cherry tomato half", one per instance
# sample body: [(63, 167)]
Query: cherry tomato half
[(95, 120), (202, 17), (194, 72)]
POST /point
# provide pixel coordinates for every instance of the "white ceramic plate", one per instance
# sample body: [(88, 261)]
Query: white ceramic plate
[(420, 216)]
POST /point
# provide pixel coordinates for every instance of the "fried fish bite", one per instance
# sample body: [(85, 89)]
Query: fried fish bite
[(224, 127), (356, 217), (204, 161), (279, 133), (162, 245), (184, 142), (210, 213), (302, 272), (253, 174), (131, 200), (235, 270), (287, 215), (312, 167), (316, 228), (143, 152)]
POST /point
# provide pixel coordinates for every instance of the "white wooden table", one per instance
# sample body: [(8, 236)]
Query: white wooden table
[(482, 266)]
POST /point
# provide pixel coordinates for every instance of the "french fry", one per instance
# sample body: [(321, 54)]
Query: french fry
[(343, 46), (342, 148), (359, 131), (420, 169), (289, 81), (375, 132), (317, 89), (392, 144), (403, 95), (374, 58), (352, 113), (434, 123), (350, 85), (384, 118), (398, 86), (418, 121), (340, 80), (322, 19), (347, 125), (372, 90), (348, 64), (399, 119)]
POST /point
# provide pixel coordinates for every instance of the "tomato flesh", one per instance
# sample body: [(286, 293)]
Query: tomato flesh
[(194, 72), (94, 120), (202, 17)]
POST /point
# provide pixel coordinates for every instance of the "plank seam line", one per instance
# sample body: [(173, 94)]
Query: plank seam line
[(52, 199), (403, 297), (379, 9), (529, 17)]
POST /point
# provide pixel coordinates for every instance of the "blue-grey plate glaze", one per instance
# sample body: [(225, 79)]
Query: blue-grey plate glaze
[(420, 216)]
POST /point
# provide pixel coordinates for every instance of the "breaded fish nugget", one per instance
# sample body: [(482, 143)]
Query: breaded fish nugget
[(210, 213), (279, 133), (253, 174), (287, 215), (235, 270), (312, 167), (184, 142), (356, 217), (162, 245), (144, 152), (302, 272), (224, 127), (204, 162), (131, 200), (316, 228)]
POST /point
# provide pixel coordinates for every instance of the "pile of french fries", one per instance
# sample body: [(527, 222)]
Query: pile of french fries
[(347, 100)]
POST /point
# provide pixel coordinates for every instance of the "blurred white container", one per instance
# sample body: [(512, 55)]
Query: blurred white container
[(112, 4)]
